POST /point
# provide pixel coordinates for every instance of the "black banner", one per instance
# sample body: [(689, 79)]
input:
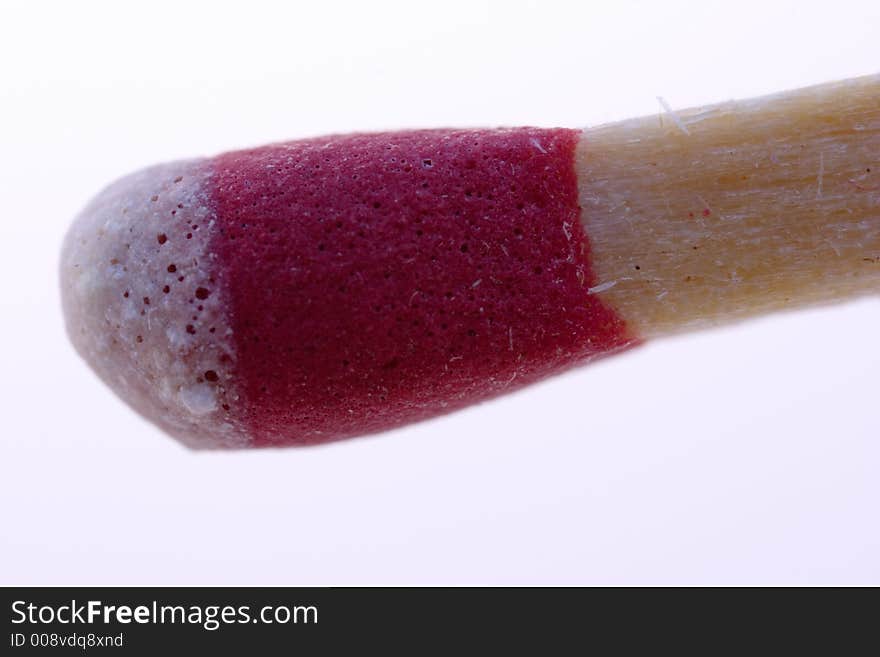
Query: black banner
[(344, 620)]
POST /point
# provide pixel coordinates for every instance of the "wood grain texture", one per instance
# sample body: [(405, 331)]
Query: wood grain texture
[(715, 214)]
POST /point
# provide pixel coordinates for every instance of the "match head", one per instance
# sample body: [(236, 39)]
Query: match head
[(316, 290)]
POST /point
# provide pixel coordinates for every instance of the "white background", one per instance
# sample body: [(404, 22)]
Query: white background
[(741, 456)]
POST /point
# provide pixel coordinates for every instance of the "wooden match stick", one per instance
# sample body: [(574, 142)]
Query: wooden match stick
[(321, 289), (720, 213)]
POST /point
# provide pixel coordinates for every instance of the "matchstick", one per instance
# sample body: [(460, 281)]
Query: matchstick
[(321, 289)]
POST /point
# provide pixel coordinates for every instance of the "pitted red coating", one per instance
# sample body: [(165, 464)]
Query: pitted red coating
[(378, 279)]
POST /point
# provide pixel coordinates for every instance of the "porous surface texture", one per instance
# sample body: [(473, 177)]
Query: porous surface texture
[(144, 305), (375, 280)]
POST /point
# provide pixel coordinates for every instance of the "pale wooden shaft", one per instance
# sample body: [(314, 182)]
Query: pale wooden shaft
[(710, 215)]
